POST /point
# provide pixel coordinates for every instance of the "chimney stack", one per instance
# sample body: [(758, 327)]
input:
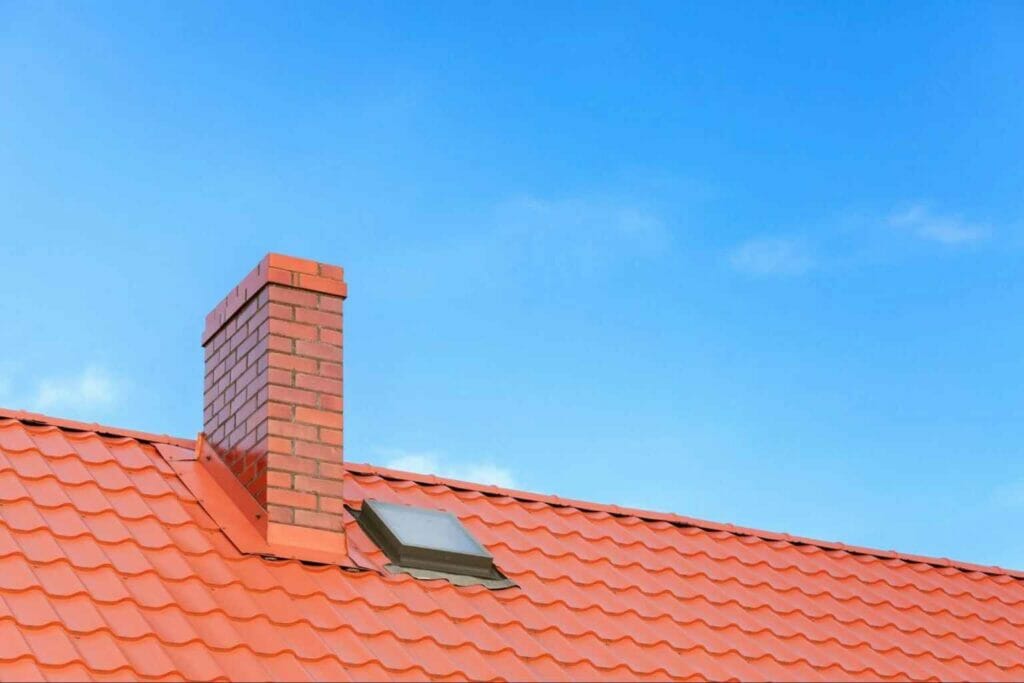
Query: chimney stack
[(273, 395)]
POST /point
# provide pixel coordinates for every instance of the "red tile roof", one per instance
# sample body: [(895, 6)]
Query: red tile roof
[(111, 568)]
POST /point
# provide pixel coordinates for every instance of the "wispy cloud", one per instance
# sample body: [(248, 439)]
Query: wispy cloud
[(430, 462), (93, 389), (854, 239), (589, 231), (556, 244), (945, 229), (772, 256)]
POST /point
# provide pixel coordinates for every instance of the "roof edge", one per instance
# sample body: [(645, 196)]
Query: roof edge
[(106, 430), (587, 506)]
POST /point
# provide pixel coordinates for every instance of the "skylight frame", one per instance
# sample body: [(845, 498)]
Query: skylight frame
[(407, 553)]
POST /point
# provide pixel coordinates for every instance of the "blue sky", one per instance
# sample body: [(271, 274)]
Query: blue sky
[(756, 266)]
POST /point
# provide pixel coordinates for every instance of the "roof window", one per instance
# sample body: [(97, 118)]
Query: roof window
[(417, 538)]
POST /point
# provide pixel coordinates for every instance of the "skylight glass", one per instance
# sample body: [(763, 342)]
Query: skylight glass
[(428, 528), (422, 538)]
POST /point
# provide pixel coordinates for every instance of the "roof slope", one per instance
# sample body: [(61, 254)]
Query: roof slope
[(110, 568)]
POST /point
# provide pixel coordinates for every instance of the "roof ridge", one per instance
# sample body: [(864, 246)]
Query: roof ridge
[(583, 505), (681, 520), (106, 430)]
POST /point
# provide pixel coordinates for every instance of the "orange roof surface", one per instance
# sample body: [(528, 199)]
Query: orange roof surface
[(110, 568)]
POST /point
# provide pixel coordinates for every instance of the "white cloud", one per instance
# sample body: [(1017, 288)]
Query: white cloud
[(772, 256), (90, 390), (945, 229), (428, 462)]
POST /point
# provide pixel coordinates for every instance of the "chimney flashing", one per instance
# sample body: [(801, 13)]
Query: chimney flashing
[(244, 521)]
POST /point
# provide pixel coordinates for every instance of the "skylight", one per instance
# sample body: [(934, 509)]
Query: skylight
[(420, 538)]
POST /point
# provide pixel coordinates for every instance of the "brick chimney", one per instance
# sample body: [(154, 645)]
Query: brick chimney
[(273, 395)]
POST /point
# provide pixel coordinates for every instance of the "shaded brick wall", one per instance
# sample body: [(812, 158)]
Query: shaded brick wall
[(273, 392), (235, 410)]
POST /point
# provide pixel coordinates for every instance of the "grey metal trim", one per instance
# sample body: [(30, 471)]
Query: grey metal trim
[(455, 579)]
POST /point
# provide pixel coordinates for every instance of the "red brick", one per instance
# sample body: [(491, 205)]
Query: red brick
[(331, 470), (248, 344), (319, 318), (280, 276), (318, 350), (241, 319), (334, 506), (332, 272), (297, 397), (290, 463), (316, 485), (243, 406), (292, 430), (319, 520), (219, 370), (330, 436), (331, 402), (281, 311), (288, 362), (279, 376), (332, 370), (279, 513), (263, 327), (328, 336), (280, 411), (237, 434), (258, 383), (292, 329), (251, 422), (242, 375), (322, 418), (316, 383), (322, 284), (318, 451), (282, 344), (293, 297), (331, 304), (282, 480), (291, 498), (298, 265)]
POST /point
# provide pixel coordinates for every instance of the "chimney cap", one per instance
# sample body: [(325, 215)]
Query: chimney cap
[(289, 271)]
